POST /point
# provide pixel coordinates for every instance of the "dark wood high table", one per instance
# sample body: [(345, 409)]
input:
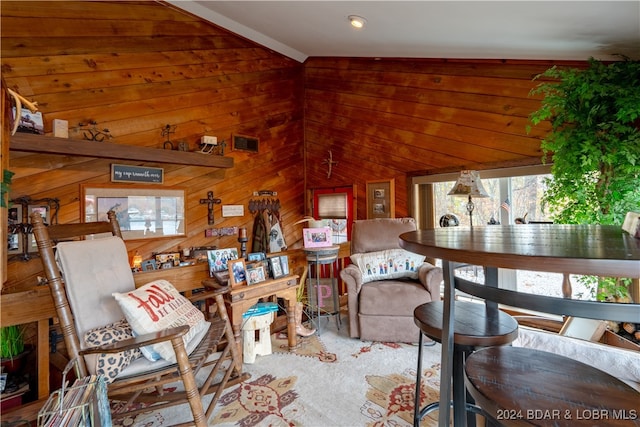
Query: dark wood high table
[(578, 249)]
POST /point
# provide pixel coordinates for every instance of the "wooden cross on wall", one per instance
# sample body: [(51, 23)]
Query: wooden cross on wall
[(210, 201)]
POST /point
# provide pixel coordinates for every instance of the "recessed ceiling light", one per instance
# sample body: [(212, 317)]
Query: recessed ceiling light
[(357, 21)]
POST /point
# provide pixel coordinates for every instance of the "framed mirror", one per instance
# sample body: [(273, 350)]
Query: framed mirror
[(143, 212)]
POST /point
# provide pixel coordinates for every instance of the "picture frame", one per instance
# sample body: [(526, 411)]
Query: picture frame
[(218, 259), (149, 265), (255, 275), (276, 267), (256, 256), (284, 262), (168, 259), (381, 199), (44, 212), (143, 212), (14, 232), (237, 272), (317, 237), (29, 122)]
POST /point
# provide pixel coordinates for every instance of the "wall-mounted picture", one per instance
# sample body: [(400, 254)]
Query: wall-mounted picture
[(143, 212), (237, 272), (255, 275), (276, 267), (317, 237), (14, 235), (381, 199), (219, 259)]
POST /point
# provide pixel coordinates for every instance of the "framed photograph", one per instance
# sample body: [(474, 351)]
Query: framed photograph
[(256, 256), (237, 272), (14, 235), (317, 237), (142, 212), (43, 210), (30, 122), (284, 262), (381, 199), (168, 259), (275, 266), (255, 275), (219, 259), (149, 265)]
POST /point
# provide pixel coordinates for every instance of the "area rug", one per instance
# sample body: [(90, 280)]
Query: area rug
[(330, 380)]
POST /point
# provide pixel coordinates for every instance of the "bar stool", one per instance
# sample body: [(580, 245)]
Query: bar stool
[(522, 386), (473, 327)]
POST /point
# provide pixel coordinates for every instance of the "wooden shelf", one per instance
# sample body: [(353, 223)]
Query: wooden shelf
[(105, 150)]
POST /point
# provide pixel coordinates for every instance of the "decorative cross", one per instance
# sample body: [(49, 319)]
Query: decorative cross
[(329, 162), (210, 201)]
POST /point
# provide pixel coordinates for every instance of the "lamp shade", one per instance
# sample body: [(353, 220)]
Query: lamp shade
[(468, 184)]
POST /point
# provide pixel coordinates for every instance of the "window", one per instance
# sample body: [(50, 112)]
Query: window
[(333, 206), (514, 193)]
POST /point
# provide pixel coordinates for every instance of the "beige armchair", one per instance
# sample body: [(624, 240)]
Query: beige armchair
[(385, 283)]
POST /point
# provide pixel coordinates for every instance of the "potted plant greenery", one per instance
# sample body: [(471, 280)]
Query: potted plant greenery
[(594, 143), (12, 348)]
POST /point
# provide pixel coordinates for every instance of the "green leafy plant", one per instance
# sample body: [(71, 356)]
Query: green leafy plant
[(11, 341), (5, 186), (594, 142)]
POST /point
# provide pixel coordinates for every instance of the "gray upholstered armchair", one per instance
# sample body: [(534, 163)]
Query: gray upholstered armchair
[(385, 283)]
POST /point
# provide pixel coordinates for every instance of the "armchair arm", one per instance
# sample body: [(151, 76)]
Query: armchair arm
[(431, 277), (353, 278), (139, 341)]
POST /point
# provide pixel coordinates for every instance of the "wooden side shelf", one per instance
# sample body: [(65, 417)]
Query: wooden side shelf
[(105, 150)]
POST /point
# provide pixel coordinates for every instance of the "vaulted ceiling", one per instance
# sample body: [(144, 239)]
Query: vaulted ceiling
[(552, 30)]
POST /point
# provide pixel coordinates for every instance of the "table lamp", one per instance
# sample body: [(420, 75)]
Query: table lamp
[(469, 184)]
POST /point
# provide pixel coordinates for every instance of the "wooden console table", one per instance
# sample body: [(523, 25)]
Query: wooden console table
[(244, 297)]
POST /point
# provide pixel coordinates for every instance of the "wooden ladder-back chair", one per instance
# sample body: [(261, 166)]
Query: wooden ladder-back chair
[(93, 269)]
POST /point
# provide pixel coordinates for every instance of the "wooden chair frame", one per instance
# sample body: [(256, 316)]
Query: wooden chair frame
[(131, 389)]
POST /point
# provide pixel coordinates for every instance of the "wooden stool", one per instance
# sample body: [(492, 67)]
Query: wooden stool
[(251, 347), (522, 386), (473, 328)]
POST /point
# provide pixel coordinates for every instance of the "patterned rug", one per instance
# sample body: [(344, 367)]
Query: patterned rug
[(330, 380)]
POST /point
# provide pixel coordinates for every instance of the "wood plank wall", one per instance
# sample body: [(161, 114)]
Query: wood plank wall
[(394, 118), (135, 67)]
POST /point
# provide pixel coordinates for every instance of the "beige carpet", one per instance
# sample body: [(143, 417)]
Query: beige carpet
[(331, 380)]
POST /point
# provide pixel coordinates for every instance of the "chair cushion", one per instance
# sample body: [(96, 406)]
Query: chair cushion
[(156, 306), (93, 270), (388, 264), (111, 364)]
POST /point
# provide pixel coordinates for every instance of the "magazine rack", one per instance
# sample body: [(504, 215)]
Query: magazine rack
[(85, 403)]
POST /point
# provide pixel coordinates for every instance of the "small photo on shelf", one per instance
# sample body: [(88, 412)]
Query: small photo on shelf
[(255, 275), (284, 262), (237, 272), (276, 267)]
